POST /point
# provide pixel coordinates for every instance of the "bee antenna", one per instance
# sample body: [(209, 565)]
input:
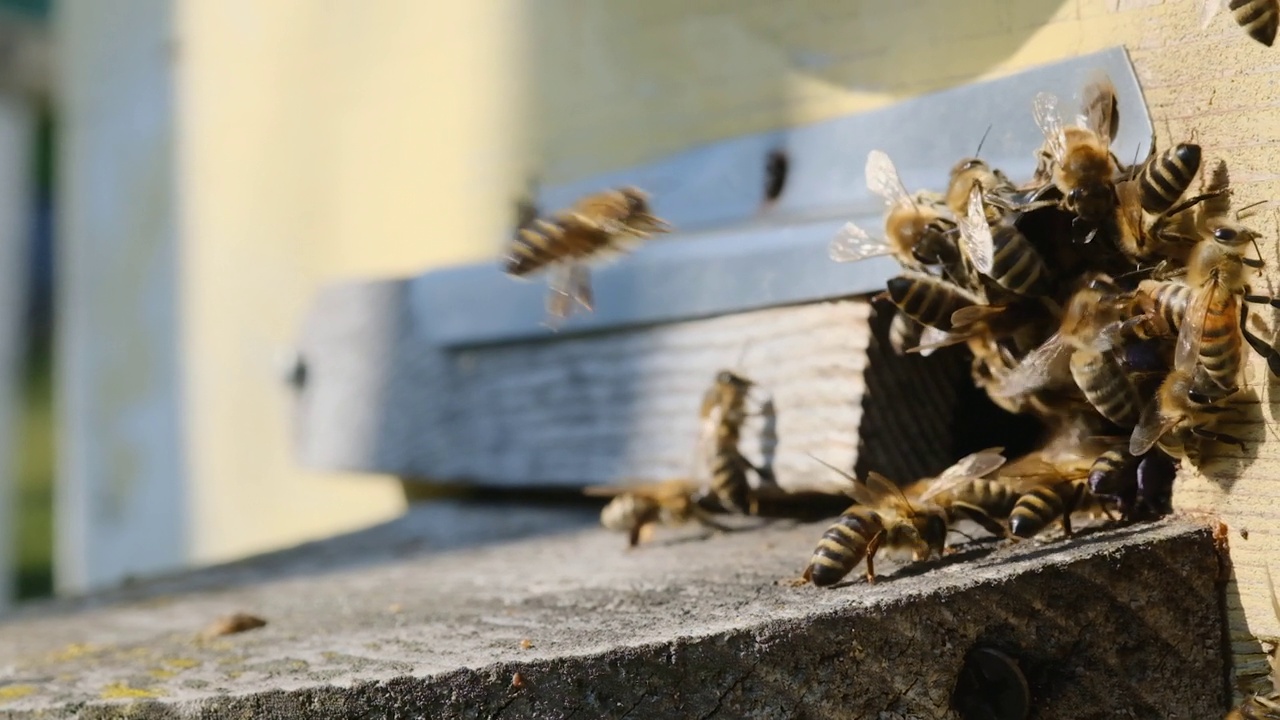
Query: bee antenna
[(1241, 213), (846, 475), (978, 152)]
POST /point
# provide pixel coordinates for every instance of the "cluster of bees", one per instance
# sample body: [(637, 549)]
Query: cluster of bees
[(1109, 301)]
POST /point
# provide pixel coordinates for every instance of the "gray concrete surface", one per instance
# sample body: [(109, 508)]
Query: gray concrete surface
[(394, 624)]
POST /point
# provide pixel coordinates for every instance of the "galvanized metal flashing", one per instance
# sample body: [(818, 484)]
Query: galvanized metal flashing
[(730, 253)]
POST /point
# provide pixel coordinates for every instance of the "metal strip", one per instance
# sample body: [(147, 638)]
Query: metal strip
[(730, 255)]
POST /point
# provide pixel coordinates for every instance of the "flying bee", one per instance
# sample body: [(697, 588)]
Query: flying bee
[(1259, 18), (917, 233), (1173, 419), (596, 227), (637, 507), (1265, 705), (1002, 252), (1052, 488), (885, 517), (1083, 165)]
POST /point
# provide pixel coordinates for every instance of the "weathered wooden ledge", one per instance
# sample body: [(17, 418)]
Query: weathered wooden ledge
[(394, 624)]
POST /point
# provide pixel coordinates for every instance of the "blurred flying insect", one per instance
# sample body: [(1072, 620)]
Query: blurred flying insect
[(637, 507), (1259, 18), (597, 227), (1083, 167), (916, 233)]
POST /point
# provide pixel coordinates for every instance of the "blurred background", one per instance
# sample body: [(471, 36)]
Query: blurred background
[(181, 176)]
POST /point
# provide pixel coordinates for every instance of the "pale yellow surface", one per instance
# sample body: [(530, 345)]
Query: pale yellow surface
[(640, 80), (319, 141)]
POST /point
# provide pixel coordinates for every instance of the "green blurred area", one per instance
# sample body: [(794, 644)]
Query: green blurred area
[(34, 493)]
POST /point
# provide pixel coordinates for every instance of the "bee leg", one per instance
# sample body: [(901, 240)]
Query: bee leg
[(1253, 262), (985, 520), (1262, 348), (872, 547), (1192, 202), (1263, 300), (1201, 431), (1073, 502)]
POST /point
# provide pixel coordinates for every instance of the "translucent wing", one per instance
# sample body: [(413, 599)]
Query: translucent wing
[(853, 243), (979, 464), (1208, 10), (967, 469), (1152, 425), (1045, 111), (975, 233), (887, 491), (854, 489), (883, 180), (1187, 353), (931, 338), (1098, 108), (971, 314), (1037, 369)]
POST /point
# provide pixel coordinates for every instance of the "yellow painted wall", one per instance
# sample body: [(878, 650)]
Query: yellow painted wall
[(635, 81), (319, 141)]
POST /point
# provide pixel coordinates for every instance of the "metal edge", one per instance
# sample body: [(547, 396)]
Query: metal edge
[(766, 260)]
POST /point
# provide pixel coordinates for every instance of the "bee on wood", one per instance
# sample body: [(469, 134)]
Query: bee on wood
[(597, 227), (1083, 167), (639, 506), (1259, 18), (885, 517), (1053, 488), (723, 412), (1173, 419)]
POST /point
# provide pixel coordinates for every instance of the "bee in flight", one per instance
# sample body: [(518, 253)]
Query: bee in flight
[(723, 412), (598, 226), (1259, 18), (637, 507), (1083, 166), (886, 517)]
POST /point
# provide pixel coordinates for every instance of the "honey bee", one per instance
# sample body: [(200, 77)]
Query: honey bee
[(1083, 167), (596, 227), (917, 233), (971, 172), (1263, 706), (1259, 18), (1211, 336), (723, 411), (928, 300), (1173, 419), (637, 507), (1164, 178), (1002, 253), (1052, 488), (964, 492), (885, 517), (1083, 348)]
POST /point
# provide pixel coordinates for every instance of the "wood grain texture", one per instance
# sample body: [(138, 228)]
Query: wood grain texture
[(610, 406)]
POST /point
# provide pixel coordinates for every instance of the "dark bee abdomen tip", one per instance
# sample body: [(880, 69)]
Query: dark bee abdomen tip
[(517, 265), (1022, 527), (823, 576), (1188, 153)]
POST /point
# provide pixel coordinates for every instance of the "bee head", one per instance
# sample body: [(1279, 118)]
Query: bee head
[(728, 377), (638, 212)]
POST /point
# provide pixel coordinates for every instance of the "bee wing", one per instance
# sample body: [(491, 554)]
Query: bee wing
[(1208, 10), (886, 491), (976, 465), (1098, 108), (1152, 425), (968, 468), (1187, 352), (883, 180), (854, 489), (975, 233), (1036, 369), (1045, 111), (853, 243), (971, 314), (931, 338)]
